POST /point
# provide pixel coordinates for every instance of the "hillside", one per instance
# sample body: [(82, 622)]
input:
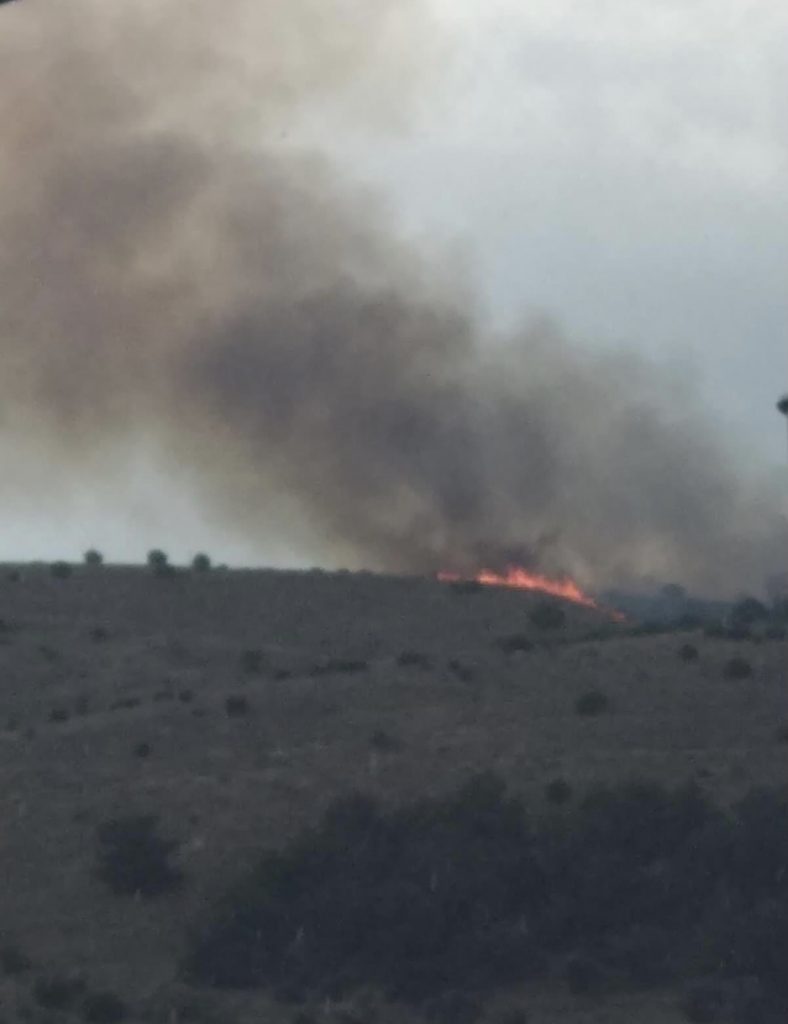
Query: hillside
[(113, 702)]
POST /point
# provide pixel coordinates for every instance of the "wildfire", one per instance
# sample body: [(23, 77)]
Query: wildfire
[(520, 579)]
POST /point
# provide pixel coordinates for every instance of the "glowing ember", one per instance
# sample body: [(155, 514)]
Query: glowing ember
[(521, 579)]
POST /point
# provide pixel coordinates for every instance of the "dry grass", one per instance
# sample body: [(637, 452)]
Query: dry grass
[(225, 786)]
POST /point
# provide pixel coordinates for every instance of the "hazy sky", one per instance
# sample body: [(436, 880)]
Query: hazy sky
[(618, 166)]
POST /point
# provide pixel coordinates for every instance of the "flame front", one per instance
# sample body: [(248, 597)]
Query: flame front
[(520, 579)]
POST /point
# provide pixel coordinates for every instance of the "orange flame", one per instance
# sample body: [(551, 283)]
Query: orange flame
[(520, 579)]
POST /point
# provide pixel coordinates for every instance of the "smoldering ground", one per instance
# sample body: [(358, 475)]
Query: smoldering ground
[(172, 267)]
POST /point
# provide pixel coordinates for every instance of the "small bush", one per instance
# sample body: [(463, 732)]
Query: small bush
[(547, 615), (104, 1008), (201, 563), (186, 696), (236, 706), (689, 652), (93, 559), (748, 611), (14, 961), (385, 742), (142, 750), (414, 659), (558, 792), (157, 558), (340, 666), (252, 661), (738, 668), (60, 570), (133, 860), (515, 643), (59, 993), (462, 672), (59, 715), (593, 702), (99, 634)]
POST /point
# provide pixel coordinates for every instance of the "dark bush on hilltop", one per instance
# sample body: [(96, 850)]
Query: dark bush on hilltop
[(547, 615), (93, 559), (159, 564), (201, 563), (688, 652), (61, 570), (134, 860), (738, 668)]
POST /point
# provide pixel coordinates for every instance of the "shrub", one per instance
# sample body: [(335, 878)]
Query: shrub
[(93, 558), (59, 993), (104, 1008), (252, 661), (201, 563), (558, 791), (236, 706), (385, 742), (689, 652), (59, 715), (776, 632), (99, 634), (414, 659), (738, 668), (133, 860), (142, 750), (593, 702), (547, 615), (748, 611), (159, 564), (514, 643), (60, 570), (336, 666), (14, 961)]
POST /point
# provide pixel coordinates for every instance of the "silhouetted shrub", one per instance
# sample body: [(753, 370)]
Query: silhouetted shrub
[(738, 668), (142, 750), (592, 703), (547, 615), (59, 715), (236, 706), (748, 611), (60, 570), (252, 661), (93, 559), (414, 659), (688, 652), (337, 666), (558, 791), (99, 634), (59, 993), (14, 961), (133, 859), (157, 558), (201, 563), (104, 1008), (514, 643), (186, 696), (462, 672)]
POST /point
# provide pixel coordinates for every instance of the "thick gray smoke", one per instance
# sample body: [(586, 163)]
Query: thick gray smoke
[(172, 267)]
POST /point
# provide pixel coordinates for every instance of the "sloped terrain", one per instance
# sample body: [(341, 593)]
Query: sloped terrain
[(235, 706)]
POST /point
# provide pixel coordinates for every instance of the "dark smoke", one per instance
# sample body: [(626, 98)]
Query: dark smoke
[(171, 268)]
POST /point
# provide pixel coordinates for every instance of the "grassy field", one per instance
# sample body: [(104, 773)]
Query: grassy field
[(113, 701)]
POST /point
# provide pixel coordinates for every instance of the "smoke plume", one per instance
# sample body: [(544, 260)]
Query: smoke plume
[(173, 266)]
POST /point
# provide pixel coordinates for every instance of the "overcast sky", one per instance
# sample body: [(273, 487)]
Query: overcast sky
[(619, 166)]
